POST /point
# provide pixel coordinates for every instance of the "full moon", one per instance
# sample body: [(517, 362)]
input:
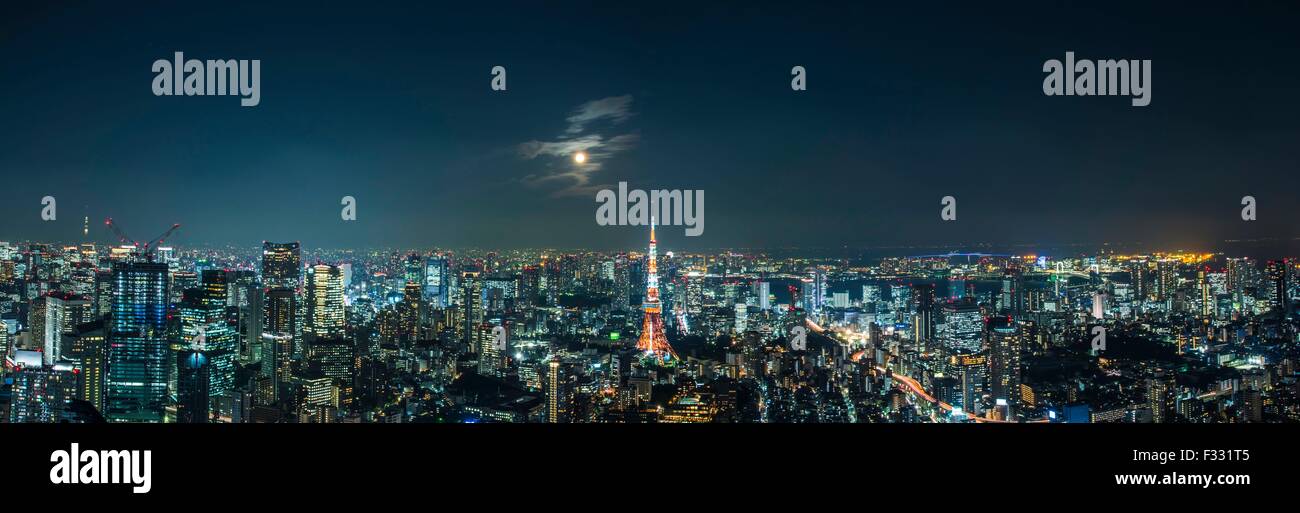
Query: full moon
[(580, 157)]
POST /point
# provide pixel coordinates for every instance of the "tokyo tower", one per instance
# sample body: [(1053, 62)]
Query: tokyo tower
[(653, 342)]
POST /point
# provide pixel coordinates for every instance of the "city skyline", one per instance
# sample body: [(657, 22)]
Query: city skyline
[(552, 337)]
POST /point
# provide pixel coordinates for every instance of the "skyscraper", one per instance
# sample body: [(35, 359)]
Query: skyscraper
[(1206, 298), (36, 314), (970, 371), (222, 336), (414, 269), (1276, 274), (471, 304), (553, 392), (325, 315), (333, 357), (251, 323), (193, 402), (281, 264), (136, 377), (1004, 342), (1160, 396), (1011, 298), (281, 320), (962, 324), (4, 337), (1138, 275), (412, 313), (653, 341), (924, 325), (63, 311), (491, 359), (1166, 279), (88, 348), (203, 318), (435, 281)]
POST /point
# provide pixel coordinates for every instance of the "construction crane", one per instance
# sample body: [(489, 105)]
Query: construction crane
[(146, 250)]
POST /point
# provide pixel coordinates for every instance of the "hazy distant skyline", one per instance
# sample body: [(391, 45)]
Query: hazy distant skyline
[(392, 105)]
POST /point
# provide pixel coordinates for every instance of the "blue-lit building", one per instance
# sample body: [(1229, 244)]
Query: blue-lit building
[(203, 312), (435, 281), (135, 388), (193, 404), (961, 327)]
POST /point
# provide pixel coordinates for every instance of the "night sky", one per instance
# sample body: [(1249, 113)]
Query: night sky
[(391, 104)]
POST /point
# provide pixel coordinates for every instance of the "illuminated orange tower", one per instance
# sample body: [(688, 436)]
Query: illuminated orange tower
[(653, 342)]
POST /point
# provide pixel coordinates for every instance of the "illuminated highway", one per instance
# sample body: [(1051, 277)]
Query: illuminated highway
[(911, 385)]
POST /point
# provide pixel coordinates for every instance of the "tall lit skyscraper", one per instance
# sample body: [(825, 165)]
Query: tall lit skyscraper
[(924, 325), (334, 358), (203, 318), (1004, 343), (1206, 297), (818, 291), (1275, 272), (63, 311), (471, 305), (961, 328), (136, 378), (956, 286), (553, 392), (251, 323), (1011, 299), (1138, 275), (414, 272), (5, 338), (281, 264), (89, 348), (412, 313), (970, 370), (193, 404), (325, 315), (870, 295), (741, 317), (36, 314), (222, 337), (807, 293), (435, 281), (1166, 279), (1160, 396), (491, 360), (281, 323)]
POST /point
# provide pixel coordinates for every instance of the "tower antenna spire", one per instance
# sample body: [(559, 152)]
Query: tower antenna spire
[(653, 342)]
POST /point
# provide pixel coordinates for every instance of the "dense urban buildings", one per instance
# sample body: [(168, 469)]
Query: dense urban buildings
[(260, 335)]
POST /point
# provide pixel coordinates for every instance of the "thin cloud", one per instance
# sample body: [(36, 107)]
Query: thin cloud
[(616, 109), (570, 178)]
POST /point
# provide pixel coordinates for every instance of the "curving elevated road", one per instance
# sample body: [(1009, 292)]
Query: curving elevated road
[(911, 385)]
